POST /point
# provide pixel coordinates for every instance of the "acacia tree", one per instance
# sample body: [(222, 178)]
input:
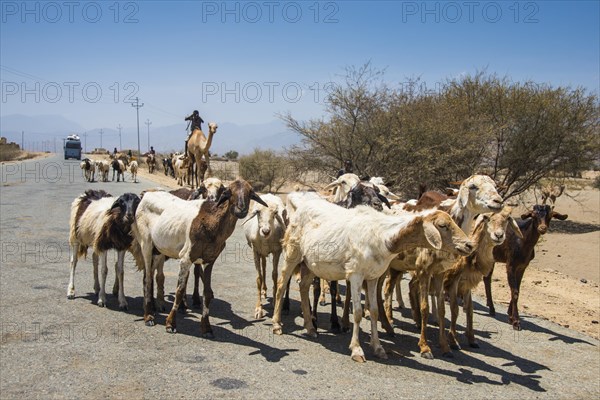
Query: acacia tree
[(515, 132)]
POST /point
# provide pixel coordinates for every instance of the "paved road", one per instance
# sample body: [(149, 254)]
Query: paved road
[(55, 348)]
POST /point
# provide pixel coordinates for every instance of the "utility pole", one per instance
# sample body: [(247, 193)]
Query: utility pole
[(101, 132), (137, 106), (22, 140), (148, 123), (120, 144)]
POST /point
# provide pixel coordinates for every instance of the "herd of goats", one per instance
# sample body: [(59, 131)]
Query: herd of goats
[(357, 232), (177, 165)]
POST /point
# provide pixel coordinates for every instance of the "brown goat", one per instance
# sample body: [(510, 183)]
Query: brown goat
[(178, 229), (490, 230), (517, 253)]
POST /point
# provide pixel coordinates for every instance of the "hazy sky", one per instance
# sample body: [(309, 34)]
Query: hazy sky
[(243, 62)]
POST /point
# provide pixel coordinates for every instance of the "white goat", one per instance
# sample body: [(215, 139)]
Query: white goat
[(264, 234), (181, 166), (133, 167), (356, 244), (343, 184), (378, 181)]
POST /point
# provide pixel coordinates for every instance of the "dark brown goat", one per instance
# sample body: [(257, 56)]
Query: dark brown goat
[(178, 229), (517, 253)]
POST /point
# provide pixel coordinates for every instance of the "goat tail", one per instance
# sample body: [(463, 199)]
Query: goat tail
[(136, 251)]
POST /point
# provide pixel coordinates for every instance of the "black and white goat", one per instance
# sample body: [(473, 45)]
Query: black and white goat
[(103, 222)]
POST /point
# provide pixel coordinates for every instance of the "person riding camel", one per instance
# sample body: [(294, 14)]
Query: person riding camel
[(195, 123)]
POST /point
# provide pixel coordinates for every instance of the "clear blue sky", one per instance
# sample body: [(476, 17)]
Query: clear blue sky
[(182, 55)]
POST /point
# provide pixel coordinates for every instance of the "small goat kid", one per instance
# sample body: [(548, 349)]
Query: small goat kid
[(102, 222), (358, 244)]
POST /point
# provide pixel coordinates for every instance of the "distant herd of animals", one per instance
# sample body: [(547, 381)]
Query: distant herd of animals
[(189, 167), (361, 234)]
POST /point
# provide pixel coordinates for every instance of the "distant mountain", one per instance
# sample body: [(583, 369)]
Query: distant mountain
[(230, 136)]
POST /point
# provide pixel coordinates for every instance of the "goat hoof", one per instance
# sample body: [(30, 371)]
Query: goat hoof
[(311, 333), (277, 330), (474, 345), (455, 347), (70, 296), (150, 322), (427, 355), (390, 334), (100, 303), (196, 302), (448, 354), (124, 308), (358, 355), (336, 329), (208, 335), (171, 329), (380, 353), (258, 313), (492, 312), (345, 329)]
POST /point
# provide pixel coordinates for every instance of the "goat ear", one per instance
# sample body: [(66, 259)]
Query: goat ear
[(463, 196), (456, 183), (384, 200), (286, 220), (225, 196), (556, 215), (333, 184), (432, 235), (512, 224), (528, 214), (280, 220), (116, 204), (256, 198)]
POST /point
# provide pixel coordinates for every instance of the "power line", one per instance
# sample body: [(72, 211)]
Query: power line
[(137, 106), (120, 144), (148, 123)]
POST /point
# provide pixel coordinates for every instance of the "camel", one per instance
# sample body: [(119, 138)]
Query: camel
[(198, 145)]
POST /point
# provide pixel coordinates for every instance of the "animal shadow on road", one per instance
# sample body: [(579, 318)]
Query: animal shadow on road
[(530, 329)]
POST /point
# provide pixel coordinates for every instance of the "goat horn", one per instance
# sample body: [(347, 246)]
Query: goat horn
[(254, 214)]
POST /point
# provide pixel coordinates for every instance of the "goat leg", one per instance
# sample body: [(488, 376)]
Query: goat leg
[(196, 302), (184, 270), (487, 282), (335, 323), (205, 328), (385, 323)]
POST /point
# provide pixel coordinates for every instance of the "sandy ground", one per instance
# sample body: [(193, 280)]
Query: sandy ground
[(561, 283)]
